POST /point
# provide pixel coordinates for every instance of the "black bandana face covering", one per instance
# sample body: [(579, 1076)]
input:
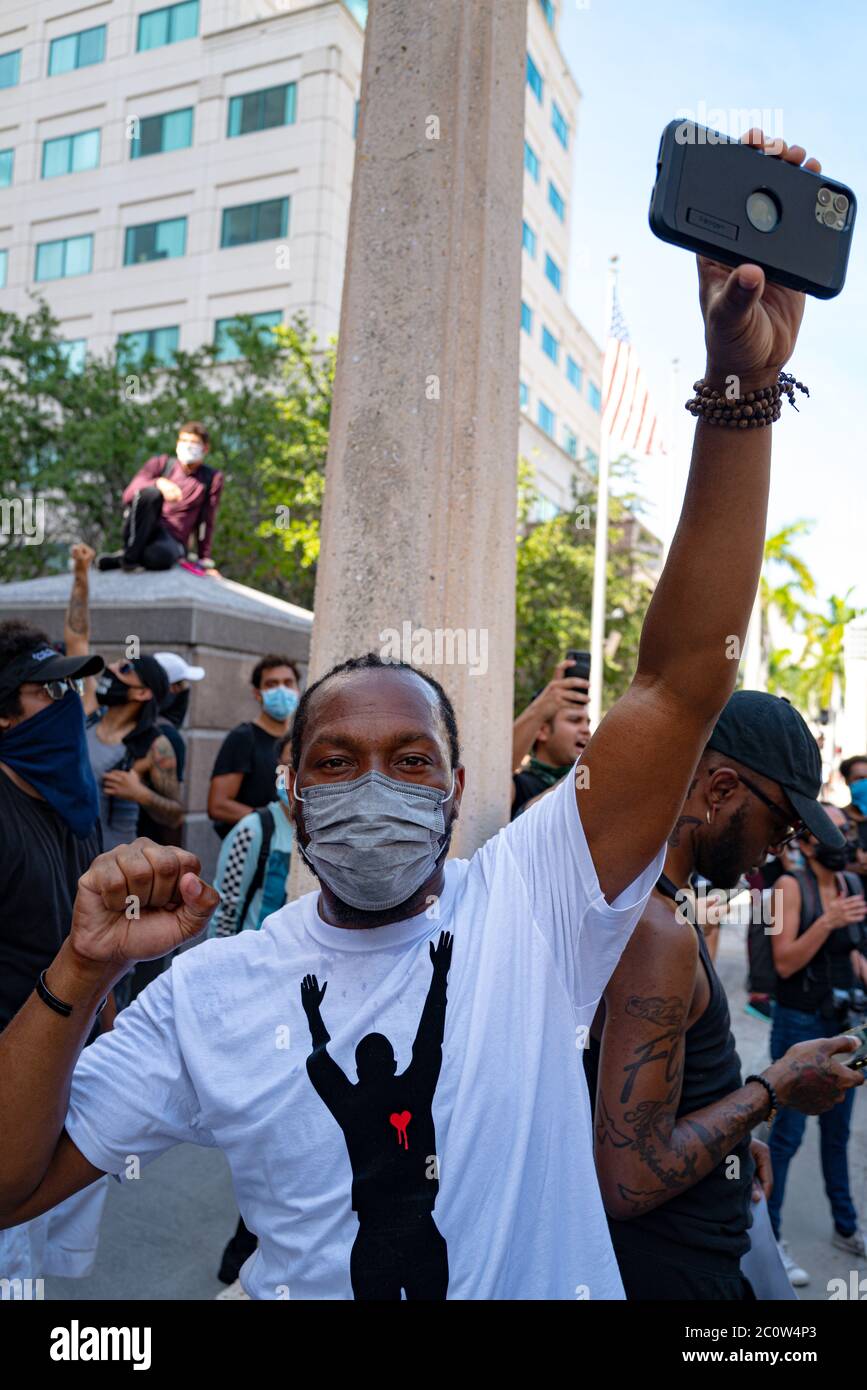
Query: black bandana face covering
[(374, 841)]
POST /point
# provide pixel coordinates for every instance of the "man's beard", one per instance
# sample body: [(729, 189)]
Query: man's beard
[(345, 915), (723, 859)]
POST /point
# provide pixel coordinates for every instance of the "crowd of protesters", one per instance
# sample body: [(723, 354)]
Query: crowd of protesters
[(519, 1078)]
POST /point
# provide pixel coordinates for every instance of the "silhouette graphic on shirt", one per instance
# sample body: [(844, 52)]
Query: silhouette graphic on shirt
[(387, 1122)]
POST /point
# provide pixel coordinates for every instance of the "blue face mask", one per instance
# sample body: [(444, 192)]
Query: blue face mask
[(858, 792), (282, 794), (280, 702), (49, 750)]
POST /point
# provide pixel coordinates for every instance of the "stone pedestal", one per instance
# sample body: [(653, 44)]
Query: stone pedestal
[(418, 532), (222, 626)]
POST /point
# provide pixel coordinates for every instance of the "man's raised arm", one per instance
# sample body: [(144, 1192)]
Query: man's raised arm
[(643, 755)]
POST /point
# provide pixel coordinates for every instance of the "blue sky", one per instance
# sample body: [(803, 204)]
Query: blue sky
[(638, 66)]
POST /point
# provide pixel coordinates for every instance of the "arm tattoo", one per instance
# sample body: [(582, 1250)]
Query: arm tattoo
[(163, 798), (77, 616), (669, 1012)]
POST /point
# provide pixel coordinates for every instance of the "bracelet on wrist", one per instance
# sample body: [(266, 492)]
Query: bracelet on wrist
[(753, 410), (56, 1004), (772, 1096)]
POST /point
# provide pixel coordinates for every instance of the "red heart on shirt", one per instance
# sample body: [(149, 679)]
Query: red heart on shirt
[(400, 1121)]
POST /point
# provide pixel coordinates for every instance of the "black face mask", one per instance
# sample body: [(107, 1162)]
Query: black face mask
[(833, 859), (110, 690), (175, 712)]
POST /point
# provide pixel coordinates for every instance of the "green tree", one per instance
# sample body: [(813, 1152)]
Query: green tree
[(555, 583), (75, 438)]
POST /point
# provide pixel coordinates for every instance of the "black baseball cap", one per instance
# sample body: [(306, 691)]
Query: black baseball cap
[(768, 735), (46, 664), (153, 675)]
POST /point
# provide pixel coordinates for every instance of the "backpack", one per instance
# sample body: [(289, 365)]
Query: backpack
[(207, 476), (266, 820)]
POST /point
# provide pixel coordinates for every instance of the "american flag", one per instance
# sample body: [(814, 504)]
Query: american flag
[(627, 410)]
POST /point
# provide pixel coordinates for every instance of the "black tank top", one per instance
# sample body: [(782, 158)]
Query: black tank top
[(713, 1216)]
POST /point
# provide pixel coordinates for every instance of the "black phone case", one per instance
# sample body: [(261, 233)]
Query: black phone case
[(699, 202)]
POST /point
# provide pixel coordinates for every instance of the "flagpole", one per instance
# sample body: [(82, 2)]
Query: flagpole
[(600, 560)]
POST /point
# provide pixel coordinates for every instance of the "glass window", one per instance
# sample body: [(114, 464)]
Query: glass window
[(526, 317), (159, 134), (168, 25), (594, 395), (529, 241), (355, 119), (550, 346), (74, 351), (534, 78), (548, 11), (358, 8), (255, 222), (7, 164), (547, 419), (10, 68), (573, 372), (73, 51), (155, 241), (273, 106), (523, 395), (570, 442), (559, 125), (4, 261), (552, 271), (55, 260), (70, 154), (591, 458), (227, 348), (161, 343), (531, 161), (556, 201)]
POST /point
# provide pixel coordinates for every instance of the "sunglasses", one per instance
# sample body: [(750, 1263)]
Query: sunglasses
[(792, 833), (55, 690)]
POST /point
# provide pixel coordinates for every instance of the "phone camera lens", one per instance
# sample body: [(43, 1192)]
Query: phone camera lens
[(830, 218), (824, 196), (841, 202), (763, 211)]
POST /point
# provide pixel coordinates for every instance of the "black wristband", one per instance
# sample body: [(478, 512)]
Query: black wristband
[(57, 1004), (772, 1095)]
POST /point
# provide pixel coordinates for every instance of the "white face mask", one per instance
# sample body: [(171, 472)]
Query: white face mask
[(191, 453)]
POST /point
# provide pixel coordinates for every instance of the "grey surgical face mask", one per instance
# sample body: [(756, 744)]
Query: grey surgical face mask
[(374, 841)]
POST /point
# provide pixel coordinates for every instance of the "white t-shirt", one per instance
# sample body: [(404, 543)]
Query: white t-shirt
[(472, 1167)]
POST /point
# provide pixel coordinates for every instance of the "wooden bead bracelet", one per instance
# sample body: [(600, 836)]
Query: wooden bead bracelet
[(752, 411)]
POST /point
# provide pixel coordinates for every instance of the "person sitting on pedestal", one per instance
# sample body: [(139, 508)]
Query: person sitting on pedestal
[(169, 502)]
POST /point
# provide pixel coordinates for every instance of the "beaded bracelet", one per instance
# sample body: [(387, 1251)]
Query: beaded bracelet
[(752, 411)]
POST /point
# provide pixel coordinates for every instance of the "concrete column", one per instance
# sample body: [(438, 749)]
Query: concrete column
[(418, 529)]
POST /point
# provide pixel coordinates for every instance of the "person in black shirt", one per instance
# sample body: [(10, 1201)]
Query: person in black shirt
[(673, 1119), (554, 729), (821, 928), (243, 775)]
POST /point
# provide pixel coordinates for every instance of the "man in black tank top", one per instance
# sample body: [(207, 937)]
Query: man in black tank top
[(672, 1117)]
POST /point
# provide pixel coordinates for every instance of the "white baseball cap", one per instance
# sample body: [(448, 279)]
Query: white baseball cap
[(177, 669)]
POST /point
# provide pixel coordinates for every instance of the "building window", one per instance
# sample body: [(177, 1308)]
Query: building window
[(552, 271), (255, 222), (160, 134), (70, 154), (526, 317), (523, 395), (550, 346), (227, 348), (79, 50), (168, 25), (559, 125), (531, 162), (272, 106), (73, 351), (556, 201), (358, 8), (58, 260), (570, 442), (591, 458), (529, 241), (573, 372), (160, 343), (355, 117), (548, 11), (547, 419), (594, 396), (534, 78), (10, 68), (155, 241), (7, 164), (4, 261)]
